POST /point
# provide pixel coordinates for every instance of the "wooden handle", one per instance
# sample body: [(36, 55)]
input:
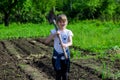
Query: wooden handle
[(64, 50)]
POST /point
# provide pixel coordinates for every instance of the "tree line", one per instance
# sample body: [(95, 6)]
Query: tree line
[(35, 11)]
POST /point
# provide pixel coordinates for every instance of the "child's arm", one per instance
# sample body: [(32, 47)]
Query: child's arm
[(50, 37)]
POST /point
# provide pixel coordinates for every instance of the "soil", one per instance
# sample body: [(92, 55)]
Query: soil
[(30, 59)]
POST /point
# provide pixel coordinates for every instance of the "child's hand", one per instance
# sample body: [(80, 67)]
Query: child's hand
[(64, 45), (58, 32)]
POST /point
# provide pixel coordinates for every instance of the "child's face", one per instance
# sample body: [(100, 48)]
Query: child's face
[(62, 24)]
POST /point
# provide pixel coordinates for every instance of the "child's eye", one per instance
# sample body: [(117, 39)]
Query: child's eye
[(62, 21)]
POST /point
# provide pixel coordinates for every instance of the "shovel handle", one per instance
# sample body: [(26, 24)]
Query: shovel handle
[(64, 50)]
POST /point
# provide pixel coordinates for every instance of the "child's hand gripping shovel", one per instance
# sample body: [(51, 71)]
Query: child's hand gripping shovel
[(52, 20)]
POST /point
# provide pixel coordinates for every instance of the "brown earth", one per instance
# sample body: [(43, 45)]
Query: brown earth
[(30, 59)]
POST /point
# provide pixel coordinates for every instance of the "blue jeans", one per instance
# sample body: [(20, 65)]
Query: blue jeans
[(62, 72)]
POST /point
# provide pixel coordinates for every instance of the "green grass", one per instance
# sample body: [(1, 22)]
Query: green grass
[(91, 35), (15, 31), (95, 36)]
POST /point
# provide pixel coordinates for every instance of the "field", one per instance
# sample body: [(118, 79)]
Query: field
[(30, 59), (23, 58)]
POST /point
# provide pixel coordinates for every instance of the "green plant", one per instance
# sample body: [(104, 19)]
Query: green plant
[(75, 54)]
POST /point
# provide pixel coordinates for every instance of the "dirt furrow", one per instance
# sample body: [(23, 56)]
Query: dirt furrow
[(31, 60), (8, 66), (30, 71), (96, 69), (21, 47), (44, 47)]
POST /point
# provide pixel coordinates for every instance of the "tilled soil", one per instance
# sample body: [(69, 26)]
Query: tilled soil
[(30, 59)]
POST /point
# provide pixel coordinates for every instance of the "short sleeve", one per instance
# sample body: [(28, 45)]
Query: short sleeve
[(53, 31), (70, 33)]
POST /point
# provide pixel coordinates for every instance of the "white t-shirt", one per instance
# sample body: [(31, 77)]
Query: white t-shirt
[(64, 35)]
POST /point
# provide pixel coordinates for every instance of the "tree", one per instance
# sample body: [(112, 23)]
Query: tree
[(6, 7), (41, 8), (34, 11)]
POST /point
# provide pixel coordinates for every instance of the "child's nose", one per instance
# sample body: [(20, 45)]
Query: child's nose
[(62, 23)]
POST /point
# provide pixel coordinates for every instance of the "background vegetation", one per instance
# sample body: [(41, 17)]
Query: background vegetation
[(35, 11)]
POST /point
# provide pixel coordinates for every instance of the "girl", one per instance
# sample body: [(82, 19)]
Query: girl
[(60, 63)]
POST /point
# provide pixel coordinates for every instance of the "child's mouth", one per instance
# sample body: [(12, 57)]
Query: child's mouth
[(62, 25)]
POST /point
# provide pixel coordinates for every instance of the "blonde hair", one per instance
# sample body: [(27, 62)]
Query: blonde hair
[(62, 17)]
